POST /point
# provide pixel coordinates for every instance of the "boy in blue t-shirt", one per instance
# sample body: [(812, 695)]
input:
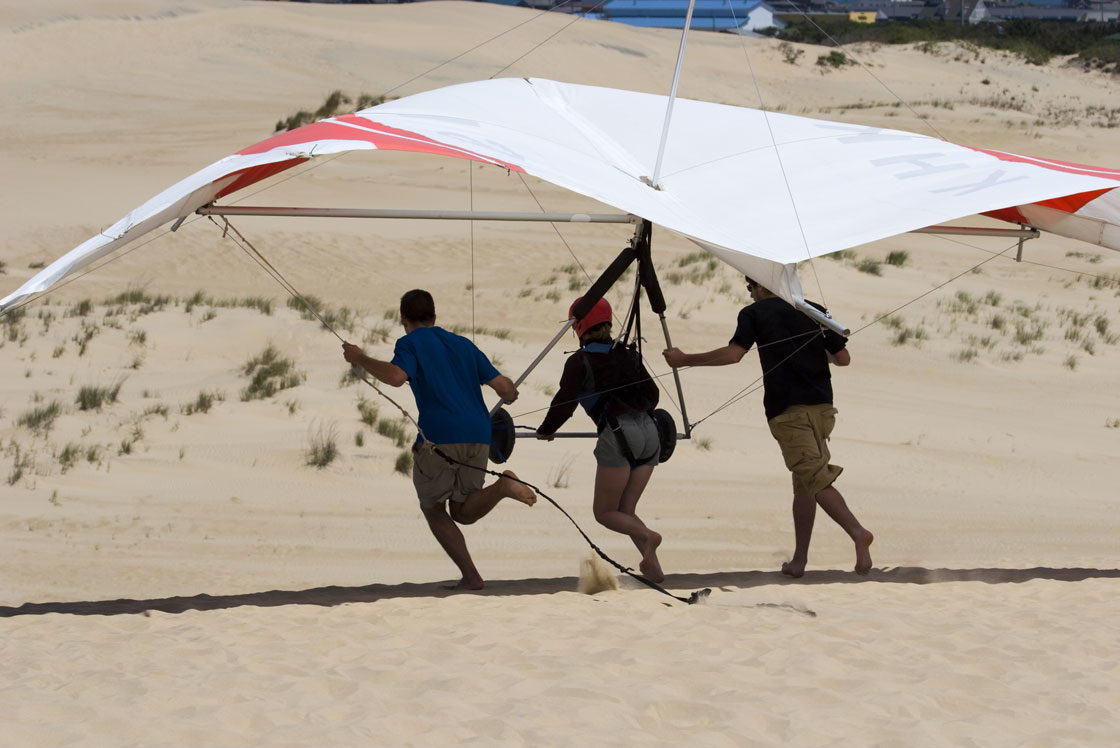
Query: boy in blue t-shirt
[(445, 372)]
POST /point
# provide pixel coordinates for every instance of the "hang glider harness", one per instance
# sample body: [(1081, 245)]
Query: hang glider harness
[(502, 428)]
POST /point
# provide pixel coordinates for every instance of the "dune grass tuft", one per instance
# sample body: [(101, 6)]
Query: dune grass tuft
[(322, 446), (268, 373)]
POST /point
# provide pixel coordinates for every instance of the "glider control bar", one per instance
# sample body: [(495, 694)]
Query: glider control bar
[(977, 231), (446, 215)]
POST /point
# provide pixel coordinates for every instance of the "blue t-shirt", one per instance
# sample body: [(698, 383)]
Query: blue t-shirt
[(446, 372)]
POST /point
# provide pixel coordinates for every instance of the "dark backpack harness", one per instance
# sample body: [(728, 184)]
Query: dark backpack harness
[(621, 394)]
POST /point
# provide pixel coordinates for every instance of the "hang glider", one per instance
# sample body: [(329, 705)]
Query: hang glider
[(760, 190)]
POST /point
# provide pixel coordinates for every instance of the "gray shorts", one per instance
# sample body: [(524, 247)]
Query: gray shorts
[(437, 481), (640, 433)]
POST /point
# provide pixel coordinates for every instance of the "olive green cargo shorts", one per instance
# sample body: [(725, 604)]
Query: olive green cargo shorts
[(802, 432)]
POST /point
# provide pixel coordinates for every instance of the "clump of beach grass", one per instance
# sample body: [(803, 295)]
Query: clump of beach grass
[(23, 462), (500, 333), (559, 476), (367, 412), (393, 429), (41, 418), (92, 397), (313, 308), (322, 446), (403, 464), (268, 373), (869, 266), (202, 403), (897, 258)]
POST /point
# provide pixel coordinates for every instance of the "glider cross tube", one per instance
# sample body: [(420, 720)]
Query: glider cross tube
[(445, 215)]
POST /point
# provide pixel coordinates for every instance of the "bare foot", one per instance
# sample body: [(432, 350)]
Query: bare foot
[(465, 585), (795, 569), (514, 489), (650, 566), (863, 552)]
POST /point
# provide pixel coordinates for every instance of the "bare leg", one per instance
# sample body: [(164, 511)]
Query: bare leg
[(451, 539), (833, 503), (478, 504), (619, 487), (804, 514)]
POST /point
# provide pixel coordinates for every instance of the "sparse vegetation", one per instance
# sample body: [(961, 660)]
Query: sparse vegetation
[(322, 446), (897, 258), (834, 59), (393, 429), (336, 102), (869, 266), (313, 308), (269, 372), (367, 412), (559, 476), (23, 462), (91, 397), (500, 333), (790, 54), (403, 464), (202, 403), (40, 419), (377, 334), (1032, 40)]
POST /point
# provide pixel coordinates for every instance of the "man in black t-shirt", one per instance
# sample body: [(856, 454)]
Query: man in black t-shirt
[(795, 353)]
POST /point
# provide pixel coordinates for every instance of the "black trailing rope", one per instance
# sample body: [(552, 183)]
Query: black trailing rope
[(276, 275)]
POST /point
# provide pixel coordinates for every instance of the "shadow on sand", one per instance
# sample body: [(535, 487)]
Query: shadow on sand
[(330, 596)]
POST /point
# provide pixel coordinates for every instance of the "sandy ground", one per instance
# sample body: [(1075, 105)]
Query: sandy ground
[(176, 574)]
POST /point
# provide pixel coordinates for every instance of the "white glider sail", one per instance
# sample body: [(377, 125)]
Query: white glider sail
[(760, 190)]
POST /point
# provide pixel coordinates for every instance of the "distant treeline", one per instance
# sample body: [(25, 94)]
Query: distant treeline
[(1097, 45)]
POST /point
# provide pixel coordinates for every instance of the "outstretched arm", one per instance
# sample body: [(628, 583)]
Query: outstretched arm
[(384, 371), (729, 354), (503, 385)]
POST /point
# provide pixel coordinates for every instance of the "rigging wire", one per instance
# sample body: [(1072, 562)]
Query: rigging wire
[(753, 386), (924, 120), (781, 161), (563, 28), (470, 179)]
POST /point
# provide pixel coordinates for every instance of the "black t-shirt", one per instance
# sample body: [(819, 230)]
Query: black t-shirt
[(793, 352)]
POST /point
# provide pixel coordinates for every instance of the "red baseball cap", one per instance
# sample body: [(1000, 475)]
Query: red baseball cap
[(598, 314)]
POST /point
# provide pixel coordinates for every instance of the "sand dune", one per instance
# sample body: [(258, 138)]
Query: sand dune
[(176, 573)]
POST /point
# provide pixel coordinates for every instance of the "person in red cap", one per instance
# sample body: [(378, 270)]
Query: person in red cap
[(607, 378)]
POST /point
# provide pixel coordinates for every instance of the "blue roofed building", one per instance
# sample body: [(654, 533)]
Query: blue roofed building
[(736, 16)]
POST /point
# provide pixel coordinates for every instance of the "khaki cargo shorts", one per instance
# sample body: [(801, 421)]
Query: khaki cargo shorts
[(802, 432), (437, 481)]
